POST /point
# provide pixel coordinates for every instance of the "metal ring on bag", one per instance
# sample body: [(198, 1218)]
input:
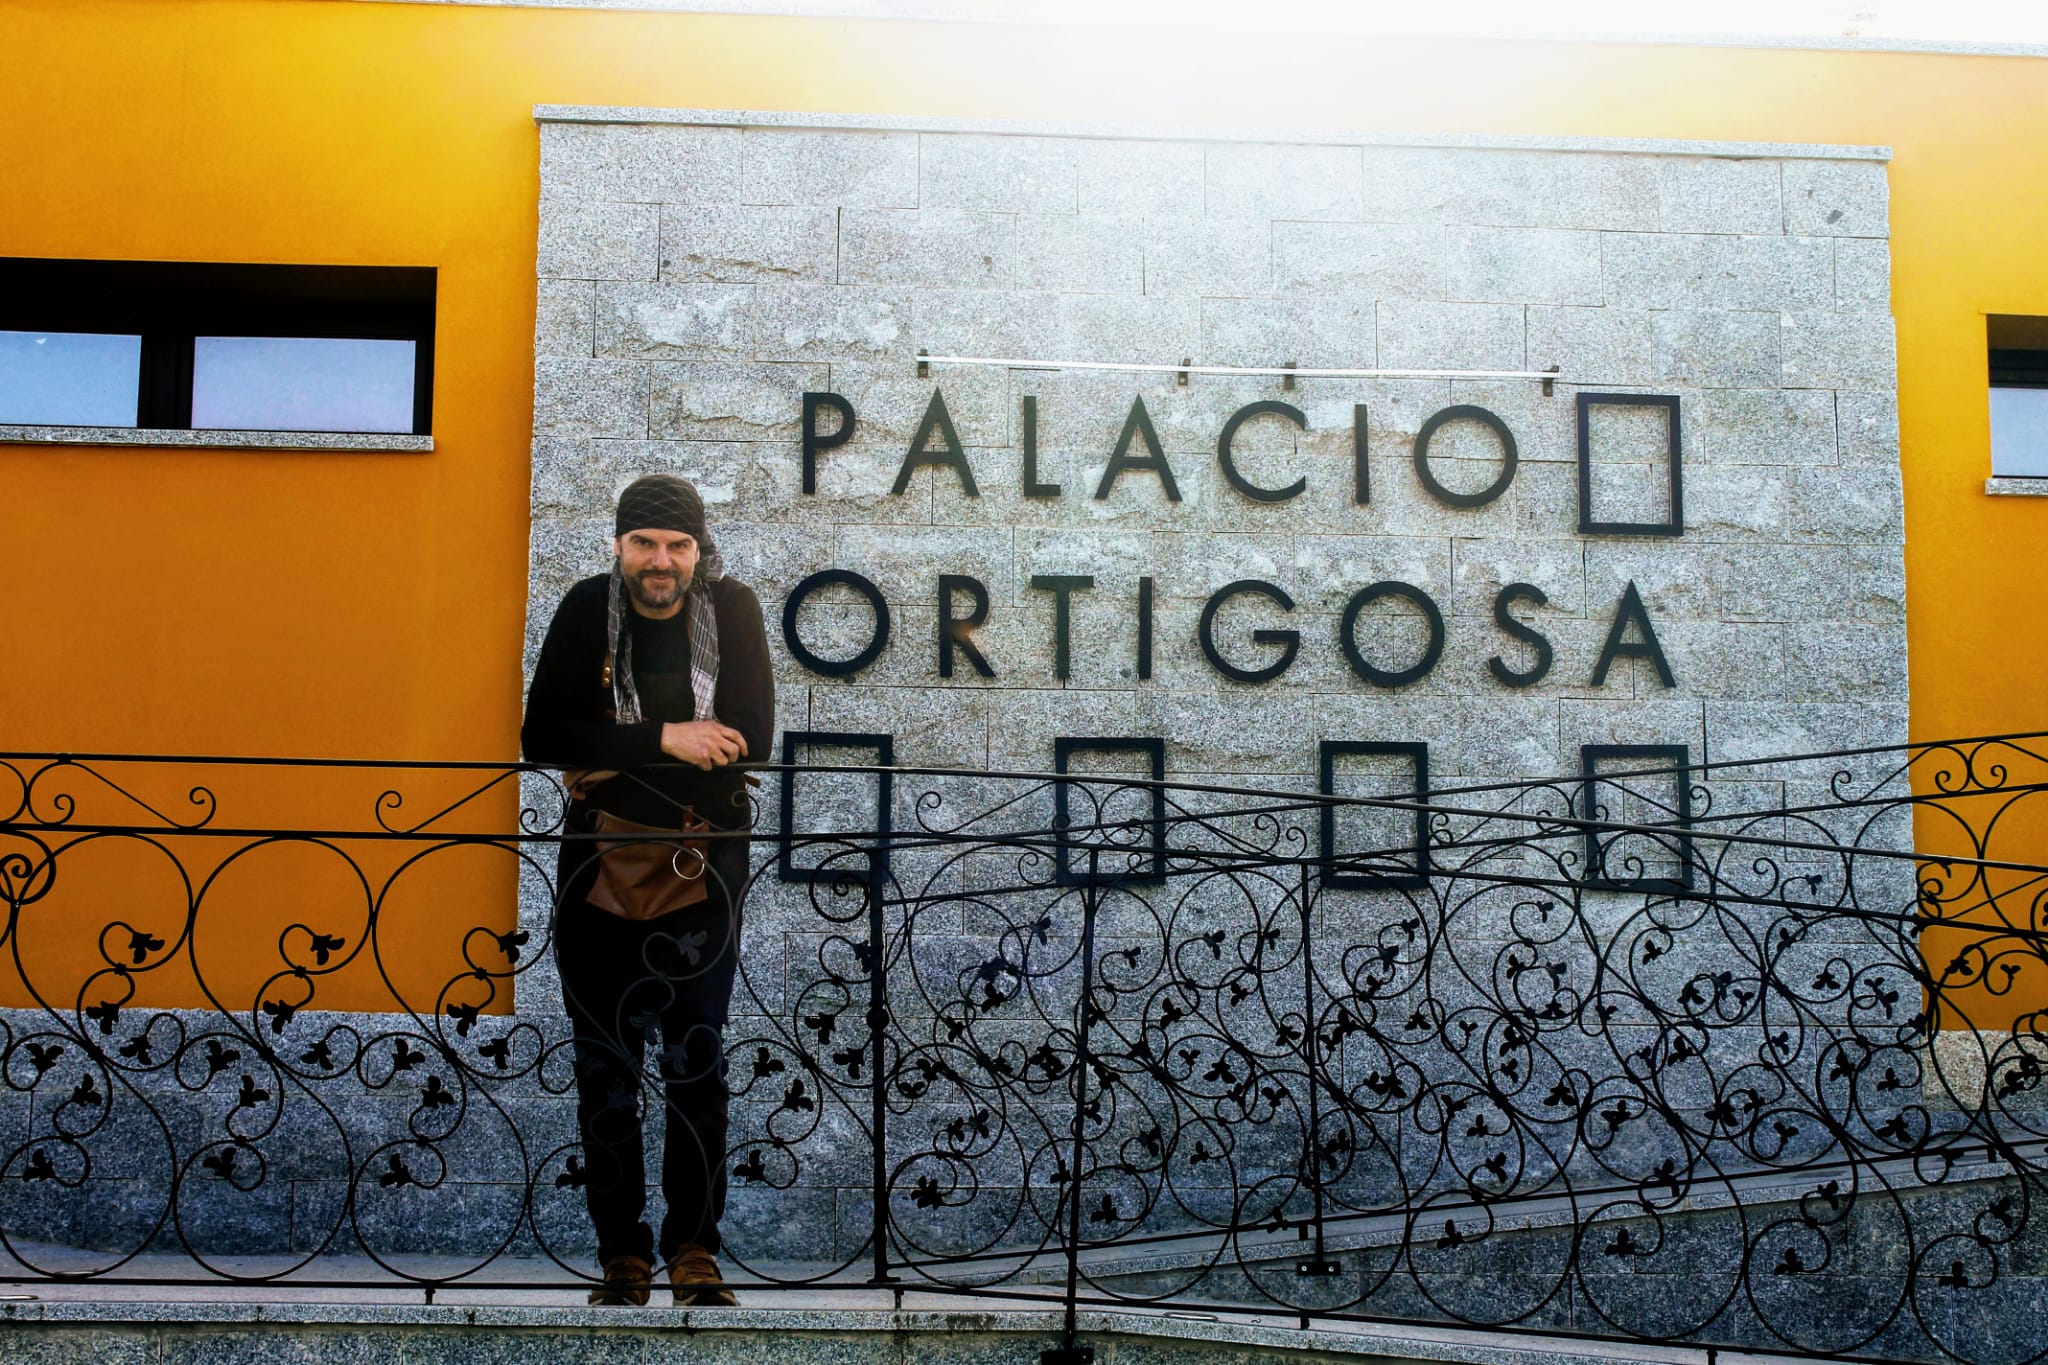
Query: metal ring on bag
[(686, 876)]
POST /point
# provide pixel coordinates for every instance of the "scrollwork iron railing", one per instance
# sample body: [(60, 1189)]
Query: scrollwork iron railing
[(1743, 1054)]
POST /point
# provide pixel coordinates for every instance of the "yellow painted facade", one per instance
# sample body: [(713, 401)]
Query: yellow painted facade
[(371, 605)]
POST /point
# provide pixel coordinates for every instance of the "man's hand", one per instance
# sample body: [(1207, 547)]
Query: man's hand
[(705, 743)]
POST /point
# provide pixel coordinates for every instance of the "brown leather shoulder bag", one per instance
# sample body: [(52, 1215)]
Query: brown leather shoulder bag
[(646, 871)]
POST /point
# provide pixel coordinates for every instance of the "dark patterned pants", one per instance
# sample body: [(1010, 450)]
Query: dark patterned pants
[(622, 980)]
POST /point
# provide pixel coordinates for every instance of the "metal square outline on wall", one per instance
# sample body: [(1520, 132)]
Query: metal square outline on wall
[(1327, 754), (1063, 748), (1673, 452), (1677, 757), (884, 747)]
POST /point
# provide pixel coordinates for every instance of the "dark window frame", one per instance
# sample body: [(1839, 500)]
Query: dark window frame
[(1333, 871), (1591, 525), (795, 742), (1659, 760), (1064, 747), (170, 304)]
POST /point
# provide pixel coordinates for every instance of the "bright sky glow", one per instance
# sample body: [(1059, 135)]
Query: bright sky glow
[(1964, 21), (1878, 22)]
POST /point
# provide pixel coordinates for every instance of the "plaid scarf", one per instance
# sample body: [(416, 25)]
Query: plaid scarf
[(703, 623)]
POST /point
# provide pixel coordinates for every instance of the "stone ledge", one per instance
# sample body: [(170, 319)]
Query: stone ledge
[(2014, 486), (216, 440), (829, 122), (698, 1334)]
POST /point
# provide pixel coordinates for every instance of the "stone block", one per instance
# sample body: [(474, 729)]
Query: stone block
[(568, 477), (986, 323), (1863, 276), (1594, 345), (609, 1347), (1080, 255), (905, 562), (1736, 503), (1401, 506), (1738, 659), (1834, 504), (856, 169), (1452, 336), (1524, 265), (589, 397), (1804, 582), (1670, 270), (776, 1227), (1545, 426), (1319, 333), (1867, 425), (58, 1343), (1284, 181), (1139, 177), (650, 163), (1768, 426), (730, 244), (856, 483), (1212, 257), (997, 172), (758, 482), (841, 322), (1842, 661), (1655, 348), (1321, 572), (937, 727), (1481, 568), (1670, 575), (721, 402), (1837, 198), (1368, 260), (775, 557), (1839, 351), (1657, 721), (563, 550), (674, 322), (1486, 188), (890, 401), (1000, 471), (1115, 558), (1718, 194), (1494, 736), (1716, 349), (598, 241), (1128, 327), (562, 319), (926, 248), (1084, 411)]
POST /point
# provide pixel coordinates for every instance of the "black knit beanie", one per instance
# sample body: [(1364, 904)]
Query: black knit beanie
[(663, 502)]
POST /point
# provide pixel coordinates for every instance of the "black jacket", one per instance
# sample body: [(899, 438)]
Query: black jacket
[(569, 711)]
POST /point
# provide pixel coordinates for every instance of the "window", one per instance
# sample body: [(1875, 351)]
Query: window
[(2019, 397), (184, 346)]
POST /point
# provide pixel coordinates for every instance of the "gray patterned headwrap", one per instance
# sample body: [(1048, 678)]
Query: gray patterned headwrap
[(666, 502)]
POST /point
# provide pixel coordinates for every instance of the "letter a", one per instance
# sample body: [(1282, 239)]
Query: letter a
[(936, 419), (1631, 609), (1139, 423)]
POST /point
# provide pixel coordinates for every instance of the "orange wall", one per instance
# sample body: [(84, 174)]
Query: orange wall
[(371, 605)]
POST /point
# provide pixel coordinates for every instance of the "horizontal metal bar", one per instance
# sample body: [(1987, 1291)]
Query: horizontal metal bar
[(1013, 363)]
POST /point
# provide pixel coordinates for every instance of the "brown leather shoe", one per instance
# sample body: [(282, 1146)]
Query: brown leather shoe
[(694, 1279), (627, 1282)]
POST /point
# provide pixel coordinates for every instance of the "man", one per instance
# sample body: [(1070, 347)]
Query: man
[(663, 661)]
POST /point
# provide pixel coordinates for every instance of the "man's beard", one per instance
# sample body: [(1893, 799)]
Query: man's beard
[(659, 594)]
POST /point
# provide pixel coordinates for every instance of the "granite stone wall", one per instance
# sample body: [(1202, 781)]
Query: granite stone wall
[(696, 279)]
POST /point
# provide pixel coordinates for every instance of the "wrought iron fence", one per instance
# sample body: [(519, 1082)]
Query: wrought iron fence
[(1742, 1054)]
